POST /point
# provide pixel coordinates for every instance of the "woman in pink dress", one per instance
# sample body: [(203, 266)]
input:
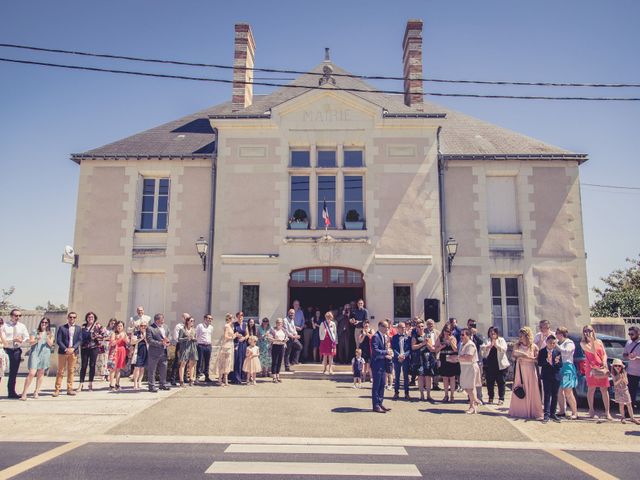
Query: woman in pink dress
[(595, 370), (118, 344), (328, 342), (525, 352)]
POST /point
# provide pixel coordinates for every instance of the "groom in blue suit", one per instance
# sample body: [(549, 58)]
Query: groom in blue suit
[(379, 353)]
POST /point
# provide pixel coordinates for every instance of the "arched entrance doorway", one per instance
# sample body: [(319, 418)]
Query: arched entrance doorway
[(325, 287)]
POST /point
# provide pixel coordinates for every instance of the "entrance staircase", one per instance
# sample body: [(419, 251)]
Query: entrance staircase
[(313, 371)]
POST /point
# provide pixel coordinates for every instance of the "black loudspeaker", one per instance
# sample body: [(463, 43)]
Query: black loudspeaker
[(432, 309)]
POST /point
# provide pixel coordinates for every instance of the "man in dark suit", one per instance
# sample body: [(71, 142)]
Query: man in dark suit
[(401, 346), (550, 362), (379, 353), (157, 341), (68, 338)]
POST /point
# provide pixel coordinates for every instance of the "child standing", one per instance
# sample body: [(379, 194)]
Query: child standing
[(357, 365), (251, 363), (388, 362), (550, 362), (621, 390)]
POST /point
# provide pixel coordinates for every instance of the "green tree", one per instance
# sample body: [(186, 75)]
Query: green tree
[(52, 307), (5, 304), (621, 292)]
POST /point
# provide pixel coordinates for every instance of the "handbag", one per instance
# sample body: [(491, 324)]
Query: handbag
[(519, 391)]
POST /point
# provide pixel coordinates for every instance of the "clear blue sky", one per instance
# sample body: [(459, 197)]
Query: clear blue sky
[(46, 114)]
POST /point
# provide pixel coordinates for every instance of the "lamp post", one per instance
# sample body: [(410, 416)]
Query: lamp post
[(201, 247), (452, 249)]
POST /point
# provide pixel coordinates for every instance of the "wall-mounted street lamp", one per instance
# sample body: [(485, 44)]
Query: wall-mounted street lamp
[(452, 249), (202, 246)]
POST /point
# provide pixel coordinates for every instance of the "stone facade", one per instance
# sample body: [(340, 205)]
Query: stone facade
[(411, 151)]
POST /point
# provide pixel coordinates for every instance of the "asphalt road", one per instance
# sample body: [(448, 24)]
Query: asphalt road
[(142, 461)]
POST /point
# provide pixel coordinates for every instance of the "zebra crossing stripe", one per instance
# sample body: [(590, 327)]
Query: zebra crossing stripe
[(315, 449), (298, 468)]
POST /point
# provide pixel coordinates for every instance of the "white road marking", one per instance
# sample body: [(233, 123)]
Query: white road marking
[(315, 449), (581, 465), (297, 468), (399, 442), (32, 462)]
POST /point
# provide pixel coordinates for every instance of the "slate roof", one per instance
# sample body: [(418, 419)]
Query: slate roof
[(461, 136)]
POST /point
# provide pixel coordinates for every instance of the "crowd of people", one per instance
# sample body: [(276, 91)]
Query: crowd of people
[(393, 357)]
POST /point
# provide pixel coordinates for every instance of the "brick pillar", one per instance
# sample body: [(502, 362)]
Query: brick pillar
[(412, 58), (243, 57)]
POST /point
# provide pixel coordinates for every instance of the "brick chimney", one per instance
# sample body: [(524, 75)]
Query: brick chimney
[(412, 58), (243, 55)]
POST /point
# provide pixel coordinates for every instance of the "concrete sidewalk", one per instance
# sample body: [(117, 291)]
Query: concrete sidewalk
[(320, 407), (86, 413)]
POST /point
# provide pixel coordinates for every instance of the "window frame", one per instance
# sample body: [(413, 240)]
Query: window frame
[(155, 213), (504, 319), (398, 318), (242, 300)]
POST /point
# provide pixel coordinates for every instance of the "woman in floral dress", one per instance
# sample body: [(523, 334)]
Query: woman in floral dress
[(263, 345)]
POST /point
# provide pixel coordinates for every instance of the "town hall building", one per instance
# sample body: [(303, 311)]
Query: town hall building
[(327, 191)]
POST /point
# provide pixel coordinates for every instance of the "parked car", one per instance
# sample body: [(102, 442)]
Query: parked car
[(614, 346)]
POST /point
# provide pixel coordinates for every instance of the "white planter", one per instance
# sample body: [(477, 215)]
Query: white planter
[(354, 225), (299, 225)]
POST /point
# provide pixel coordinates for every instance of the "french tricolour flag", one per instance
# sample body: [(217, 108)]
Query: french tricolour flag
[(325, 214)]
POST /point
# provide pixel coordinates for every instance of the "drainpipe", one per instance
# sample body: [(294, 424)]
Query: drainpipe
[(443, 228), (214, 176)]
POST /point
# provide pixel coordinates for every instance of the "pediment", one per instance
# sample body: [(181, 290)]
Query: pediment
[(326, 109)]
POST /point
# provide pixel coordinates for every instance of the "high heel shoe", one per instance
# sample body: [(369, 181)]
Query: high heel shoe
[(472, 410)]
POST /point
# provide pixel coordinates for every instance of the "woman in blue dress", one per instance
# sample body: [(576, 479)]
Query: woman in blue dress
[(264, 346), (239, 349), (41, 341)]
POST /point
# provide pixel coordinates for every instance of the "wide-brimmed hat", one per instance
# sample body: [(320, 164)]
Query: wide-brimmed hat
[(617, 361)]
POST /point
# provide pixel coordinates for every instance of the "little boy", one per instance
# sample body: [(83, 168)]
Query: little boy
[(357, 365), (550, 362)]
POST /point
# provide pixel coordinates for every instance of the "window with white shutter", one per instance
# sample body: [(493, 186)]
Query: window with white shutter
[(502, 205)]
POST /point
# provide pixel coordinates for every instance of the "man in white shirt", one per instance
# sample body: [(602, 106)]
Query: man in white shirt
[(15, 333), (204, 331), (540, 338), (176, 335), (134, 322), (294, 347)]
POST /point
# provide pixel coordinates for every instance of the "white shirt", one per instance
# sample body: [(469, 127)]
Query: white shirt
[(279, 336), (12, 330), (203, 334), (567, 348), (72, 330), (290, 327), (163, 331), (540, 339), (176, 331), (134, 322)]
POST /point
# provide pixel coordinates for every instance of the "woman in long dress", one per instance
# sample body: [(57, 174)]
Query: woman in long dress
[(118, 344), (263, 345), (525, 353), (240, 348), (596, 370), (470, 376), (328, 342), (188, 352), (224, 362), (41, 341)]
